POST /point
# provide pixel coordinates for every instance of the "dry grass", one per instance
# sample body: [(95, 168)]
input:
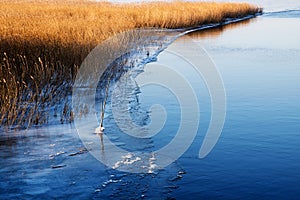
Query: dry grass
[(43, 43), (85, 23)]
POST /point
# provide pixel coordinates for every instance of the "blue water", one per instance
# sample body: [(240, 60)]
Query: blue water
[(256, 156), (258, 153)]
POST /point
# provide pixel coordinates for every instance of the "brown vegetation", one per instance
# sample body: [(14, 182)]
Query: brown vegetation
[(43, 43)]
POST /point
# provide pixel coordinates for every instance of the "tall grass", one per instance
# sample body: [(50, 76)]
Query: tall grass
[(43, 43)]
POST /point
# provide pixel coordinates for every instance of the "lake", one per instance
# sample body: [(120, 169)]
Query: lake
[(256, 156)]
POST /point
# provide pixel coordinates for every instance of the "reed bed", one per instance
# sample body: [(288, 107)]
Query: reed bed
[(42, 44)]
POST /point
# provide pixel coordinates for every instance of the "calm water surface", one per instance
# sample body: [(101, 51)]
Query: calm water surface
[(257, 155)]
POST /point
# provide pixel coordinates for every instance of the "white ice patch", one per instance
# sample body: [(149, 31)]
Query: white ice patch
[(128, 159), (147, 164)]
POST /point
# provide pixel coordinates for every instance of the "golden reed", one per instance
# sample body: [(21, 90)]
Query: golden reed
[(42, 43)]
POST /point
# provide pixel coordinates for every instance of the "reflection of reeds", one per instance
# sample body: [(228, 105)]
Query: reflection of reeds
[(217, 31), (42, 45)]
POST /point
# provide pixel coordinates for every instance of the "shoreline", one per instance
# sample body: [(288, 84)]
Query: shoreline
[(28, 50), (145, 55), (226, 22)]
